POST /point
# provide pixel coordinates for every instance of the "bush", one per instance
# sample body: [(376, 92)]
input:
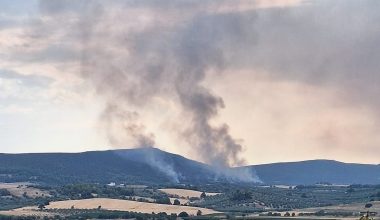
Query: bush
[(183, 215), (176, 202), (4, 192), (163, 200)]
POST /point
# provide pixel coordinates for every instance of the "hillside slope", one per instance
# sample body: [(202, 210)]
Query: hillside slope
[(153, 166), (144, 165)]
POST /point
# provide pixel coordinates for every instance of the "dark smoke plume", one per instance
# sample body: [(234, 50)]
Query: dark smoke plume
[(136, 53), (133, 67)]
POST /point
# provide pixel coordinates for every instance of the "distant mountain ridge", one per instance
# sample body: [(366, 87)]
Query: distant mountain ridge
[(153, 166), (314, 171)]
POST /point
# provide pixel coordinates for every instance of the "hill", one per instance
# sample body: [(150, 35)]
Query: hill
[(315, 171), (143, 166), (153, 166)]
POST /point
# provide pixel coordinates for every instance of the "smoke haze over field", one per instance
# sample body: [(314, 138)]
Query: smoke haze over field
[(227, 83)]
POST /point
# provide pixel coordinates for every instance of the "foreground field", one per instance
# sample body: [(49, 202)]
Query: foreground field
[(112, 204), (185, 193)]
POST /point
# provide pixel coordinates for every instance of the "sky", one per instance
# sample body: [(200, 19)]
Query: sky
[(223, 82)]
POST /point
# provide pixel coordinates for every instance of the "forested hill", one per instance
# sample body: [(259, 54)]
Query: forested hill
[(153, 166)]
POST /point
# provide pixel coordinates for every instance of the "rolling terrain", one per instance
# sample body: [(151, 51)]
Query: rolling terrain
[(153, 166)]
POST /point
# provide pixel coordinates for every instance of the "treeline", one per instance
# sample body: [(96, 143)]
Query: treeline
[(86, 191), (101, 214)]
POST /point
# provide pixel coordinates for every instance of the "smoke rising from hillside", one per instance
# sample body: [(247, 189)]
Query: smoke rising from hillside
[(279, 71), (132, 64)]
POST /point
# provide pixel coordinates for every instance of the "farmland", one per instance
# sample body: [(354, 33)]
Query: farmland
[(112, 204), (125, 205), (233, 199)]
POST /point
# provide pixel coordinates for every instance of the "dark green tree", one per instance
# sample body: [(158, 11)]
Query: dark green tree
[(41, 206), (176, 202), (183, 215), (203, 195)]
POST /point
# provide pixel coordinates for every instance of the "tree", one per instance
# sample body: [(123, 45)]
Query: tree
[(41, 206), (293, 214), (176, 202), (163, 200), (183, 215), (241, 195), (203, 195), (199, 212), (287, 214), (99, 207), (4, 192)]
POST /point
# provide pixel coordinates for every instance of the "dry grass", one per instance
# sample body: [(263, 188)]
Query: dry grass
[(19, 189), (107, 204), (185, 193), (126, 205)]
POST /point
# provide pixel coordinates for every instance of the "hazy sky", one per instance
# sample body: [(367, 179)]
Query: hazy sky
[(243, 81)]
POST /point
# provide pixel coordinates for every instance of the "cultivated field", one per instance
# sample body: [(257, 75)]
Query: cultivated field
[(108, 204), (126, 205), (185, 193), (21, 189)]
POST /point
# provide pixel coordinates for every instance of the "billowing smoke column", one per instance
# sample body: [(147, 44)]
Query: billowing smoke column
[(136, 58)]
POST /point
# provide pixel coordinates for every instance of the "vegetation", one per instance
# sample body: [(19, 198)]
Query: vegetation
[(162, 200), (240, 198), (183, 215), (130, 166), (4, 192), (176, 202), (86, 191), (97, 214)]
